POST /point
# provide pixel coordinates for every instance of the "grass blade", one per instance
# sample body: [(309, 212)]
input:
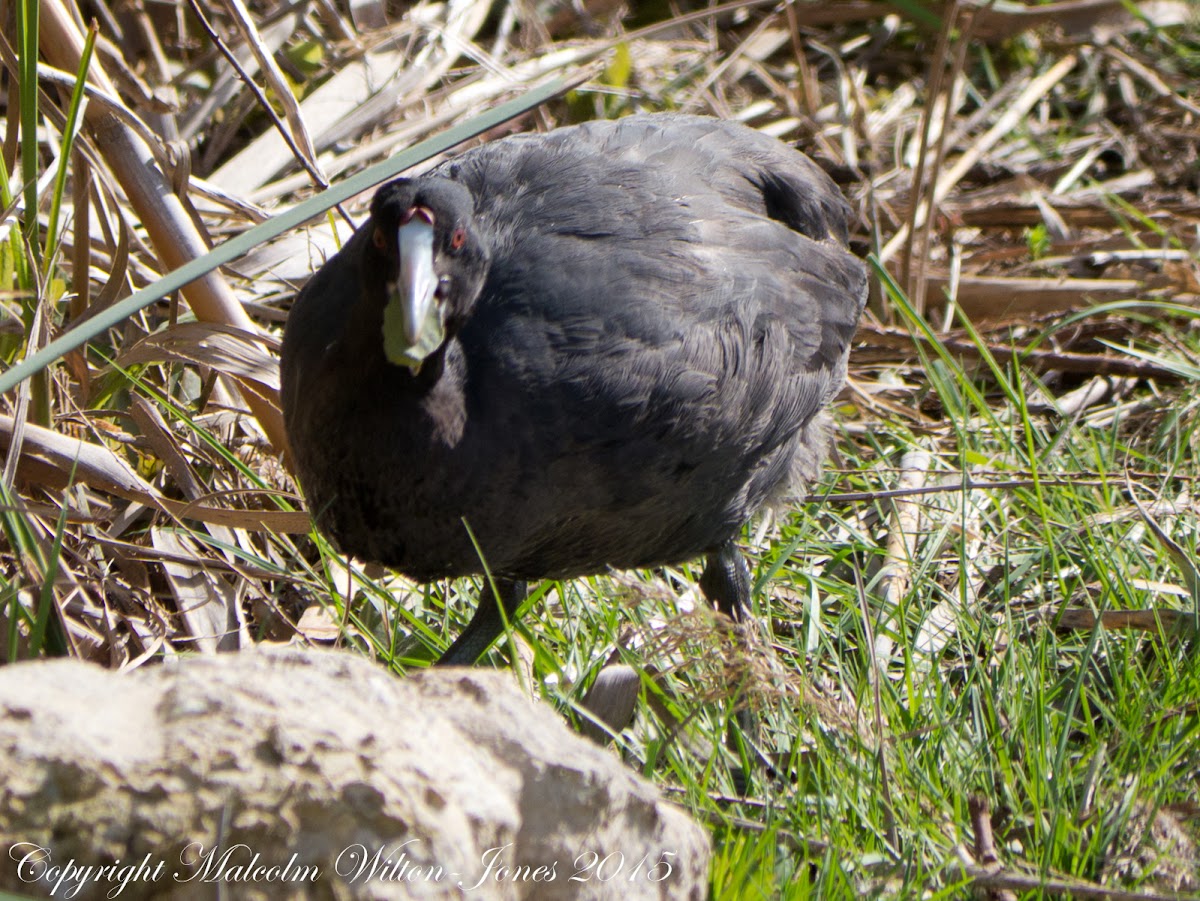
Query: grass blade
[(70, 131), (27, 38)]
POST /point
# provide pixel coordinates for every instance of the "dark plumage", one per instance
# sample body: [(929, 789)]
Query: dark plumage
[(610, 345)]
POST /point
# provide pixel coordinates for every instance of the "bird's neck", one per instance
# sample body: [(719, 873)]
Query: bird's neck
[(435, 391)]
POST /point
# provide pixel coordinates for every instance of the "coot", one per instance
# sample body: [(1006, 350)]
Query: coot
[(605, 346)]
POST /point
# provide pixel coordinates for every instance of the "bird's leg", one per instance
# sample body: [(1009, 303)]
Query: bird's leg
[(487, 623), (726, 583)]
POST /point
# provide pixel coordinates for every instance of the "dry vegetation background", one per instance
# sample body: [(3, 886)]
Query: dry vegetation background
[(1035, 168)]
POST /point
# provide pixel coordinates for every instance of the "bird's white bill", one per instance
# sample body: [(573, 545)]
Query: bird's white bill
[(412, 320)]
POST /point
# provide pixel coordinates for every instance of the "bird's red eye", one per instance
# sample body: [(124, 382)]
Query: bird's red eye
[(458, 238), (378, 239)]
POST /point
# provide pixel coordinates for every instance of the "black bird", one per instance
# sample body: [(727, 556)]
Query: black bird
[(605, 346)]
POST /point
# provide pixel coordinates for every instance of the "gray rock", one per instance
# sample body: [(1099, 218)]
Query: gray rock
[(318, 775)]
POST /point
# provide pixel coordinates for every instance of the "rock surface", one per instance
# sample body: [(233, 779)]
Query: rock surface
[(318, 775)]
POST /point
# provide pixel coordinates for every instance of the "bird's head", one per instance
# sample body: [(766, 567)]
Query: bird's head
[(424, 241)]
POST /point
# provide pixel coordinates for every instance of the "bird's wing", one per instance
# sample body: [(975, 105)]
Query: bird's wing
[(680, 295), (675, 259)]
